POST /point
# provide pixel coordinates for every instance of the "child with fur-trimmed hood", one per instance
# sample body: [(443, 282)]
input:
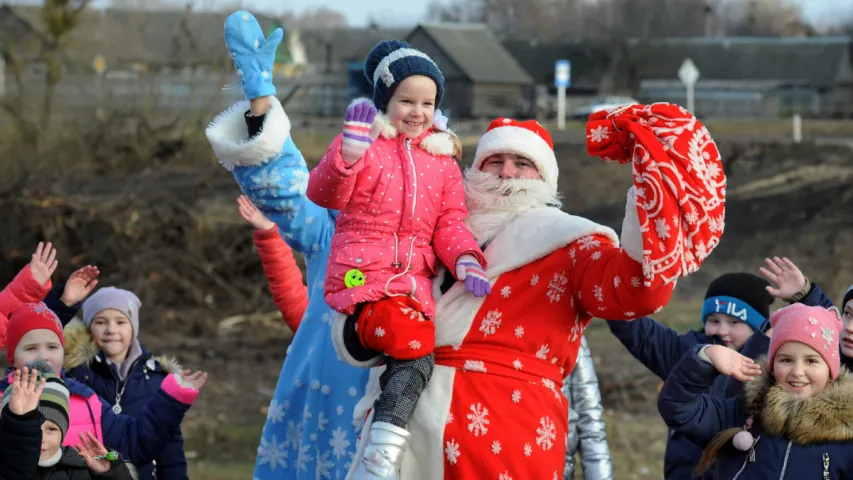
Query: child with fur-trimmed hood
[(795, 416), (103, 351), (393, 176)]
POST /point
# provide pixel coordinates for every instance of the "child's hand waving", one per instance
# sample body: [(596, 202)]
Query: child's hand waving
[(357, 131), (731, 363), (80, 284), (251, 214), (26, 391), (785, 278), (43, 262), (94, 453)]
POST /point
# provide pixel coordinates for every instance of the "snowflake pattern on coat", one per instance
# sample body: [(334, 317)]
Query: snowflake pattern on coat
[(525, 343), (679, 182), (310, 432)]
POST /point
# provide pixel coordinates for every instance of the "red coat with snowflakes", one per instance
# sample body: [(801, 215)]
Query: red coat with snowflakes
[(493, 408)]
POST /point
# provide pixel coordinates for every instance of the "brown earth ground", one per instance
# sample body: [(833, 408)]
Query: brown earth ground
[(166, 226)]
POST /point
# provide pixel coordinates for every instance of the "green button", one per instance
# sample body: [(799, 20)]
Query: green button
[(354, 278)]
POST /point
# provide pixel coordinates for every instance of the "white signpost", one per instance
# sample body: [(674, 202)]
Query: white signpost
[(689, 74), (2, 76), (562, 80)]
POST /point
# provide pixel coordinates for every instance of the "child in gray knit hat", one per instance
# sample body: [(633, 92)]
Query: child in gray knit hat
[(104, 352)]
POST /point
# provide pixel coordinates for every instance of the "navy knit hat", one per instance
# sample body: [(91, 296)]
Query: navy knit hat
[(740, 295), (392, 61), (847, 296)]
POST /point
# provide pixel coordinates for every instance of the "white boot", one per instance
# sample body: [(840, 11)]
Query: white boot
[(383, 453)]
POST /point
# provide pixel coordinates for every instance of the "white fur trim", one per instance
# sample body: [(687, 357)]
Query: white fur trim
[(383, 125), (439, 143), (371, 393), (361, 442), (383, 70), (519, 141), (540, 232), (228, 136), (632, 233), (439, 280), (425, 456), (340, 346)]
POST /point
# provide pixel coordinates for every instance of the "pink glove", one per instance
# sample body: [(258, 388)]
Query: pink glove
[(357, 124), (470, 270)]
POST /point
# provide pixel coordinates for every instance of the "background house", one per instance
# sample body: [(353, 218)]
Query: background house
[(598, 69), (481, 78), (750, 76)]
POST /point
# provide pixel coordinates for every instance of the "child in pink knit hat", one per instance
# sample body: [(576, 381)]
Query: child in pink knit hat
[(801, 332), (795, 418)]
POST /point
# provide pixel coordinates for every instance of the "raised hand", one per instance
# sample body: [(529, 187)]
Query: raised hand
[(194, 380), (786, 279), (731, 363), (469, 270), (253, 55), (357, 124), (43, 262), (94, 453), (26, 391), (251, 214), (80, 284)]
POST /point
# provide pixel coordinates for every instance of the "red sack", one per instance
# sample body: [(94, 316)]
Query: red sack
[(679, 180)]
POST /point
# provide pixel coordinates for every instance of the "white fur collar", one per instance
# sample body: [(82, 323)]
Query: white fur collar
[(440, 142), (540, 231), (534, 235), (53, 460)]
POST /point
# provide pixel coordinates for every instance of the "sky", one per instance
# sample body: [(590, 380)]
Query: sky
[(407, 12)]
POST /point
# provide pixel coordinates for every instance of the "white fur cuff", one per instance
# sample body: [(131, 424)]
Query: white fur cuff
[(228, 136), (632, 234), (341, 348)]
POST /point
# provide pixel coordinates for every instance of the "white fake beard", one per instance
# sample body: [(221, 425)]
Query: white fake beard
[(493, 202)]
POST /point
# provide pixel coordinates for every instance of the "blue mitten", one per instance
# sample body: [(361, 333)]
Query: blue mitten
[(253, 54)]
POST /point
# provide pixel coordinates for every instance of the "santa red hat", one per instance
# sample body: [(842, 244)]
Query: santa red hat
[(528, 139), (26, 318)]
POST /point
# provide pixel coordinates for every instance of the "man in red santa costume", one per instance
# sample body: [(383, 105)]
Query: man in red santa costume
[(494, 408)]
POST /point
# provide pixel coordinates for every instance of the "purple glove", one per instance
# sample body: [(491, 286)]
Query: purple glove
[(357, 125), (470, 270)]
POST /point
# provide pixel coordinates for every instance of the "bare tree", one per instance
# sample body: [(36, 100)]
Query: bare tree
[(766, 18), (322, 18), (464, 11), (60, 18), (556, 20)]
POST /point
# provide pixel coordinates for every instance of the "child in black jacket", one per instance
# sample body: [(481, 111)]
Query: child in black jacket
[(33, 424)]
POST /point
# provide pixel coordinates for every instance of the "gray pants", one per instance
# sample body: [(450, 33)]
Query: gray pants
[(402, 384)]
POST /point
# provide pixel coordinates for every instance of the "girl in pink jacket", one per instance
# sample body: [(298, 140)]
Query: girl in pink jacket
[(402, 208)]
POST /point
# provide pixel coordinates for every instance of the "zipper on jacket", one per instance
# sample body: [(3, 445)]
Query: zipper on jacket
[(121, 385), (785, 462), (750, 458), (414, 177), (826, 466), (414, 207)]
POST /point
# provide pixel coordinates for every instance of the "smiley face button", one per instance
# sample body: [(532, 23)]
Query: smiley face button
[(354, 278)]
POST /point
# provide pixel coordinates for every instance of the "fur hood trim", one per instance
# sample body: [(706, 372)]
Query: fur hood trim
[(80, 349), (439, 142), (827, 417)]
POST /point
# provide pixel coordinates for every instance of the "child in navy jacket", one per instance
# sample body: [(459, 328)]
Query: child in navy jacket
[(795, 417), (103, 351)]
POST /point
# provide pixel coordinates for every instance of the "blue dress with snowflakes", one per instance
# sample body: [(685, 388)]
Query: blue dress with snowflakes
[(310, 432)]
